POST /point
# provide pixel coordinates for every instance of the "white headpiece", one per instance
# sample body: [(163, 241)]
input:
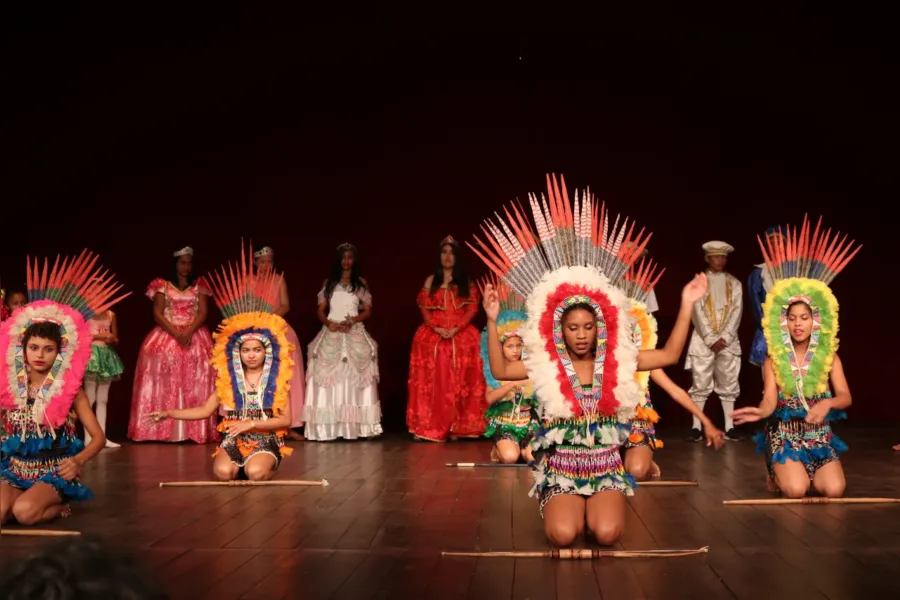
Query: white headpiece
[(717, 248), (264, 251), (186, 250), (573, 254)]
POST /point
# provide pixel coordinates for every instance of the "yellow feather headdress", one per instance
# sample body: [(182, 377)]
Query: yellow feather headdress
[(248, 299)]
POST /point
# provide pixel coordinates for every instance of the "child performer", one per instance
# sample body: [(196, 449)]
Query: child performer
[(16, 299), (642, 442), (800, 324), (252, 358), (47, 346), (104, 367), (4, 310), (581, 354), (512, 412)]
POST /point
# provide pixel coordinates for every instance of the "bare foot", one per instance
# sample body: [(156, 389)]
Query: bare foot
[(495, 457), (293, 435), (527, 455), (771, 485), (655, 471)]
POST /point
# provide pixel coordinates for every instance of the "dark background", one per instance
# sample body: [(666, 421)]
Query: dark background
[(137, 134)]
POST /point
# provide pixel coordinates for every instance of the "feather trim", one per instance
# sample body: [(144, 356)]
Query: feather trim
[(228, 336), (823, 343), (645, 336), (545, 368)]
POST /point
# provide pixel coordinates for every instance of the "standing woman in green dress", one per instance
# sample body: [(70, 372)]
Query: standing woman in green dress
[(103, 368)]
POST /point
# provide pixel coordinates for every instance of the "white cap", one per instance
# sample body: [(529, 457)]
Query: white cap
[(716, 248)]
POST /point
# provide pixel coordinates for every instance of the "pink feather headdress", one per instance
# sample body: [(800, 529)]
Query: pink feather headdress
[(68, 295)]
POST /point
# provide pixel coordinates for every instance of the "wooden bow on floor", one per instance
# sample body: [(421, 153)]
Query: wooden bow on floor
[(583, 553)]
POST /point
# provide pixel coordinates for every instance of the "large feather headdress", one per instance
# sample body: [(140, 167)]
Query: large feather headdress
[(68, 295), (247, 299), (510, 321), (802, 264), (637, 284), (573, 254)]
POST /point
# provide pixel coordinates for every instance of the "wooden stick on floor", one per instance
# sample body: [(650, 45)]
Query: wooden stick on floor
[(238, 483), (39, 532), (662, 483), (813, 500), (487, 464), (583, 553)]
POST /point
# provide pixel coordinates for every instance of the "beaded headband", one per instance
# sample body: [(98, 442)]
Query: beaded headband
[(187, 250)]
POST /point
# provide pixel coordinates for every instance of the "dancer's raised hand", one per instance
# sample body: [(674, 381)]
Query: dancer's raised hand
[(491, 302), (694, 290)]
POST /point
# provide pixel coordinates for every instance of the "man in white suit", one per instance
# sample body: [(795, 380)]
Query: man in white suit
[(714, 353)]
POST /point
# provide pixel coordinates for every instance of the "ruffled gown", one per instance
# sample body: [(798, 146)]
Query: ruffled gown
[(105, 364), (298, 380), (169, 376), (342, 374), (446, 383)]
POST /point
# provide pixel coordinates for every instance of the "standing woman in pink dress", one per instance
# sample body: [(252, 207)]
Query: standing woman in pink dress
[(173, 370), (265, 262)]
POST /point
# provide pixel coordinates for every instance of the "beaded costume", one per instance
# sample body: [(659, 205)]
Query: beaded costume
[(247, 300), (514, 417), (576, 257), (802, 266), (39, 424)]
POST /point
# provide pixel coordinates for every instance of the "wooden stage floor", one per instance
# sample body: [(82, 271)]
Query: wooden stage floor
[(392, 506)]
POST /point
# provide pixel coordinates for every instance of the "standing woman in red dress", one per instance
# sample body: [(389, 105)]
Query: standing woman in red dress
[(446, 384)]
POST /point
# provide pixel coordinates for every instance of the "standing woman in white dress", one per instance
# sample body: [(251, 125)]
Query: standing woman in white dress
[(342, 373)]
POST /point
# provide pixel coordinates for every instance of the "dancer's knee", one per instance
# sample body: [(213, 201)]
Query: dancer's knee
[(640, 470), (794, 487), (508, 455), (225, 471), (831, 487), (27, 511), (606, 531), (255, 472), (562, 534)]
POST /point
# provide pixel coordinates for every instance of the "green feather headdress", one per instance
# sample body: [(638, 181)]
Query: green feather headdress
[(802, 264)]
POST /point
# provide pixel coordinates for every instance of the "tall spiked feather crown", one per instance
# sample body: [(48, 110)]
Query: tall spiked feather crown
[(803, 263), (68, 295), (247, 299), (510, 321), (573, 253)]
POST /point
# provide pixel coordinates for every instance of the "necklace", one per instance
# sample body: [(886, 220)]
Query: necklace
[(252, 385)]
